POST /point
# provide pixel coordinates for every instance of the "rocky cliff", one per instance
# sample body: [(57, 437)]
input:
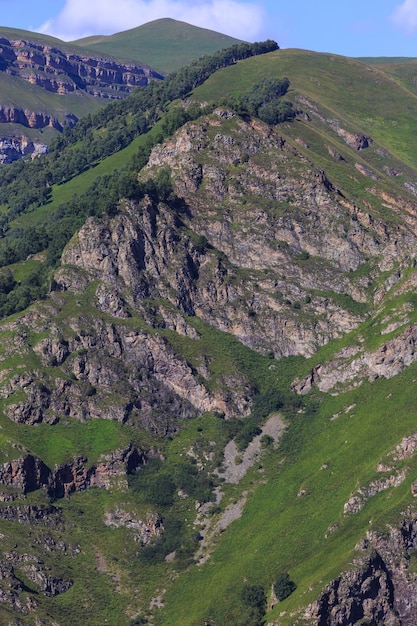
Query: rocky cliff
[(380, 589), (64, 72), (256, 241)]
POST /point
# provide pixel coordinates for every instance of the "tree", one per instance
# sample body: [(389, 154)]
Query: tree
[(254, 598), (276, 112), (7, 282), (284, 586)]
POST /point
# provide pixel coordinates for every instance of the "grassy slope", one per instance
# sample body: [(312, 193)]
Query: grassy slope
[(164, 44), (326, 455), (403, 72), (282, 532), (278, 531), (21, 94), (16, 33), (384, 109), (385, 60)]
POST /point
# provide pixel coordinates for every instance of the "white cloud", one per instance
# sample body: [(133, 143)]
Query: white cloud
[(80, 18), (405, 16)]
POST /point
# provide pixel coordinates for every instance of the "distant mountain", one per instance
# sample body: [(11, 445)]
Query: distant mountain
[(47, 84), (164, 44)]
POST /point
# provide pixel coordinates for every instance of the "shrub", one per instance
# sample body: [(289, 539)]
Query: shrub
[(266, 441), (253, 597), (284, 586)]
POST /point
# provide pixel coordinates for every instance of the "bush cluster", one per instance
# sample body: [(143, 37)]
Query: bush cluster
[(264, 100), (284, 586), (263, 405)]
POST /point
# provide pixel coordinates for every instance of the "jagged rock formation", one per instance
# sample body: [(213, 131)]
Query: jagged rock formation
[(13, 115), (381, 589), (256, 242), (265, 274), (109, 371), (354, 364), (144, 530), (30, 473), (296, 241)]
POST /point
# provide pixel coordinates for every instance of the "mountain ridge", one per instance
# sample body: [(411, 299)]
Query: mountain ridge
[(58, 70), (237, 269)]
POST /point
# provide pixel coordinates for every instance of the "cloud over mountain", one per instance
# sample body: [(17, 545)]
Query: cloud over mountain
[(78, 18), (405, 16)]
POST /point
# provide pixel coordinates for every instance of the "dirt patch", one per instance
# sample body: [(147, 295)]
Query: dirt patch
[(235, 467)]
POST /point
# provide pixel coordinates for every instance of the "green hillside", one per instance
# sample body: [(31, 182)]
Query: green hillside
[(23, 95), (385, 60), (58, 79), (404, 73), (164, 44), (198, 278), (16, 33)]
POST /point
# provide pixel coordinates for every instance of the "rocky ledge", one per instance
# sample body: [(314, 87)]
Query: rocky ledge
[(29, 473), (64, 72), (381, 588)]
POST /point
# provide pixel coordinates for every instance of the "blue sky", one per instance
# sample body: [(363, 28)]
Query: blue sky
[(347, 27)]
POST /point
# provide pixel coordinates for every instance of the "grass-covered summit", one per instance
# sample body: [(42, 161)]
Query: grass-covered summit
[(163, 44)]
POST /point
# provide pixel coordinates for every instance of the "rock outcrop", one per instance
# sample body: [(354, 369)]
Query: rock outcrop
[(380, 589), (352, 365), (13, 115), (61, 71), (112, 372), (14, 148), (29, 473)]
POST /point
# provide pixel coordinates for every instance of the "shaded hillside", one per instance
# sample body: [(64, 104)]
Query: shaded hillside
[(209, 417)]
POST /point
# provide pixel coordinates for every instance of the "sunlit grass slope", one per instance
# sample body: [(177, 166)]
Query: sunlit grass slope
[(164, 44), (366, 98)]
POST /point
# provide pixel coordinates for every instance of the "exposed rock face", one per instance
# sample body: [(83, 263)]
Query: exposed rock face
[(78, 475), (380, 590), (353, 365), (27, 473), (257, 243), (27, 118), (45, 516), (112, 372), (144, 530), (205, 256), (284, 239), (14, 148), (30, 473), (63, 72)]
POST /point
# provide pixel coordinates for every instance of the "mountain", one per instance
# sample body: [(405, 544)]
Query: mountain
[(208, 347), (164, 44), (47, 84)]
